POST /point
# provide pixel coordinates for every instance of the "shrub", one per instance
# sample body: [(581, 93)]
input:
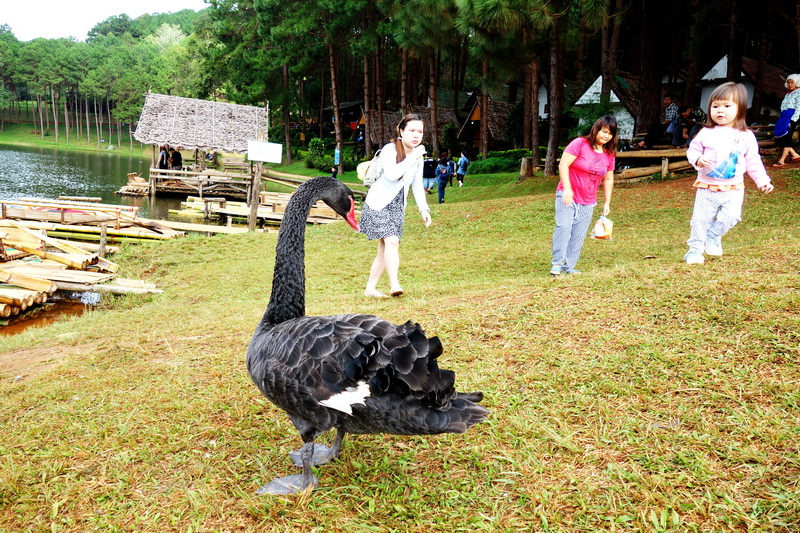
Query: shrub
[(492, 165), (316, 148), (516, 155)]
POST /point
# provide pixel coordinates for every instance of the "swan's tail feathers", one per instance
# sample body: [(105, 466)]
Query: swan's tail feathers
[(435, 348), (471, 396), (458, 418), (470, 413)]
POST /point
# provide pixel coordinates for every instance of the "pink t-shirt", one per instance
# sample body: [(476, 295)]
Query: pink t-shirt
[(587, 171)]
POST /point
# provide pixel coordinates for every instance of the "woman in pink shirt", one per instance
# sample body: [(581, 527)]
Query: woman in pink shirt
[(585, 164)]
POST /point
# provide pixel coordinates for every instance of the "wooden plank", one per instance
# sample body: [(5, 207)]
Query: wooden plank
[(57, 274), (109, 288), (649, 171), (641, 154), (27, 281), (80, 198)]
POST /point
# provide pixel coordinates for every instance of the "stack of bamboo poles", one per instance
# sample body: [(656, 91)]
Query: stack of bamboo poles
[(26, 285), (82, 220)]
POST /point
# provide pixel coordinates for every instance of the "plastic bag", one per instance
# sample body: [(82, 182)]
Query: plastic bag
[(603, 229)]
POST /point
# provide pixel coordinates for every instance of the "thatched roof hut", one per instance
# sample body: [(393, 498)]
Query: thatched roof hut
[(199, 124), (390, 122), (496, 117), (444, 116)]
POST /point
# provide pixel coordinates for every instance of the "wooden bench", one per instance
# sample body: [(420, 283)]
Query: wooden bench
[(665, 168)]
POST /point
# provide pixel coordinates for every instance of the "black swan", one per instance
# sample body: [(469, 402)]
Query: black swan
[(356, 373)]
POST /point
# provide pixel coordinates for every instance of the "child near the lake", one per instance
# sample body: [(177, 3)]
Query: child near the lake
[(722, 152)]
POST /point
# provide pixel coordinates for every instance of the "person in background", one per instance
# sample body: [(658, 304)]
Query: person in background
[(657, 130), (722, 152), (175, 159), (787, 121), (585, 164), (451, 165), (384, 207), (163, 158), (429, 174), (443, 176), (461, 168)]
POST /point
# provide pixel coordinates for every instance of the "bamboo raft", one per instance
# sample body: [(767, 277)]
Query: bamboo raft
[(33, 266), (82, 220)]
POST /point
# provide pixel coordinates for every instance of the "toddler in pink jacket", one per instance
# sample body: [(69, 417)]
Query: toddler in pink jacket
[(722, 152)]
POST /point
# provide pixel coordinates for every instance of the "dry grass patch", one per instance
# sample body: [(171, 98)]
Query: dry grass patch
[(643, 395)]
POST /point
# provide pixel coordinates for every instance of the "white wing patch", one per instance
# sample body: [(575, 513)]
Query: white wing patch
[(344, 401)]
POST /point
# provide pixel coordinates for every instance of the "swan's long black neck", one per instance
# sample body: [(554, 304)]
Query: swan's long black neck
[(288, 298)]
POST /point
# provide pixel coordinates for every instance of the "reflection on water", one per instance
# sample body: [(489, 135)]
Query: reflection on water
[(53, 172), (54, 312)]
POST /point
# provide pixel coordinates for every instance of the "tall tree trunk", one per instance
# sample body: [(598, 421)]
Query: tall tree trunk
[(321, 101), (734, 50), (649, 69), (754, 113), (55, 111), (609, 48), (88, 122), (66, 116), (39, 110), (337, 115), (367, 106), (379, 90), (287, 118), (556, 96), (485, 108), (526, 108), (434, 106), (110, 122), (45, 111), (404, 105), (535, 109), (97, 123)]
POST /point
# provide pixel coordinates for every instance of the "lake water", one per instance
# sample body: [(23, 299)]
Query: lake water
[(52, 172), (49, 173)]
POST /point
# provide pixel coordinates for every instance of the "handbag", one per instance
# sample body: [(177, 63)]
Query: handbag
[(374, 170)]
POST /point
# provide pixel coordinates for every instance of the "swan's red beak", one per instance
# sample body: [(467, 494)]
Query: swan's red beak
[(351, 216)]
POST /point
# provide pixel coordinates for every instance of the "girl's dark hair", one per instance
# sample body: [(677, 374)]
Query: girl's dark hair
[(609, 122), (401, 151), (736, 93)]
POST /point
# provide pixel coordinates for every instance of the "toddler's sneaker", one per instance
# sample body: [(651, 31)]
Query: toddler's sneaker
[(571, 271), (555, 271), (694, 258), (713, 245)]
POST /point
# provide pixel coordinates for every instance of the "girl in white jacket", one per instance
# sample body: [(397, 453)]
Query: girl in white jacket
[(384, 208)]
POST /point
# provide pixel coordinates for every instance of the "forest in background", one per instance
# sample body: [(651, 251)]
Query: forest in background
[(302, 57)]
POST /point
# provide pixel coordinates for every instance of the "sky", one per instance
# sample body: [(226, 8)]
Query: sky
[(52, 19)]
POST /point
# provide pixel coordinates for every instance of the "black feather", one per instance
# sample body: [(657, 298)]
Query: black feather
[(298, 362)]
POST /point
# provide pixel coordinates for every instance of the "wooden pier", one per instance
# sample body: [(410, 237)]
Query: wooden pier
[(199, 183)]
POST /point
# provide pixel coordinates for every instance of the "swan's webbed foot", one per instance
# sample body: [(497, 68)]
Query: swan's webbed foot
[(289, 485), (322, 454), (297, 483)]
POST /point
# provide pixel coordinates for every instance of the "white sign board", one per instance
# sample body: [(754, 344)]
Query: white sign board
[(264, 151)]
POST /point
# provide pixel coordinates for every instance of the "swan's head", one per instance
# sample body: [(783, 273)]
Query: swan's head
[(340, 198)]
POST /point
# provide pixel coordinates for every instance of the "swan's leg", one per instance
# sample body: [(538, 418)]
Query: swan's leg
[(322, 454), (336, 445), (297, 483)]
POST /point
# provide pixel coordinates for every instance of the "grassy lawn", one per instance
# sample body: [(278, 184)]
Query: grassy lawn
[(641, 395)]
